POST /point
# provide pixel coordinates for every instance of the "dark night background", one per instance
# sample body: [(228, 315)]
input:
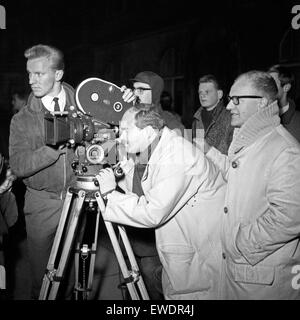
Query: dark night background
[(115, 39), (180, 40)]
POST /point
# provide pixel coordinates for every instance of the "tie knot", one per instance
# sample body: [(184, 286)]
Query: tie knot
[(56, 105)]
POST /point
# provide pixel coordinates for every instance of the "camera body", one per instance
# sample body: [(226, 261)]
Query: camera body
[(92, 128)]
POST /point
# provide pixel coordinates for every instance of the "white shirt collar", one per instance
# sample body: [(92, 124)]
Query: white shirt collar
[(49, 103)]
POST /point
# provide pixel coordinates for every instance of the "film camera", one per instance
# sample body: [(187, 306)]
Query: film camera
[(92, 126)]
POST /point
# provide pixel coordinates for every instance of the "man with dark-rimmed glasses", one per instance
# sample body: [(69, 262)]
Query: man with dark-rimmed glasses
[(261, 221), (236, 99), (147, 88)]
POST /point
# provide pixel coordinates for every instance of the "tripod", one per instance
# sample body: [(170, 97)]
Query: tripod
[(86, 192)]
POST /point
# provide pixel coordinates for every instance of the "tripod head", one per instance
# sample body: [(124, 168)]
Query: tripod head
[(86, 172)]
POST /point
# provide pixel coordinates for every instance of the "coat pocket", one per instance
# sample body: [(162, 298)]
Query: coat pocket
[(252, 274), (184, 268)]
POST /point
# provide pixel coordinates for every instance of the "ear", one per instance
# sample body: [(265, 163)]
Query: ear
[(220, 94), (263, 103), (286, 88), (59, 74)]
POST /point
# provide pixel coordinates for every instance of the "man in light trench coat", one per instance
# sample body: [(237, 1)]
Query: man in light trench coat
[(183, 196), (261, 214)]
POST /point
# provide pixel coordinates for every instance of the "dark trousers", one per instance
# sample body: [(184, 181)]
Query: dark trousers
[(42, 217), (151, 269)]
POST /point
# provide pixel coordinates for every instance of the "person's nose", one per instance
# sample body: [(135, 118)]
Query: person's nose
[(230, 105), (32, 79), (137, 93)]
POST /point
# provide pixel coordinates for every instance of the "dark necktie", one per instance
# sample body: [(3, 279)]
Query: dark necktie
[(56, 105)]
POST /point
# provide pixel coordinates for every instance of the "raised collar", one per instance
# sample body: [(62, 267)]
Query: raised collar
[(255, 127)]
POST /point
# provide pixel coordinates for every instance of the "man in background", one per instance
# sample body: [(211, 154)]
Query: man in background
[(290, 117), (212, 120), (148, 88), (19, 99)]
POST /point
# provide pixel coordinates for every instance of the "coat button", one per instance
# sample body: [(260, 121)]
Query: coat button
[(234, 165), (225, 209), (223, 255)]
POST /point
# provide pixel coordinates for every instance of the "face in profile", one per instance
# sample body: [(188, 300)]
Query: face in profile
[(43, 79), (246, 107), (133, 139), (143, 92)]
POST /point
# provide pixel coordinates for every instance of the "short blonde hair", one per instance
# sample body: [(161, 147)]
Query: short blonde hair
[(53, 54)]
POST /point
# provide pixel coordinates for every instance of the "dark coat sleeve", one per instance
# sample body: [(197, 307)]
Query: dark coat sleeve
[(24, 159)]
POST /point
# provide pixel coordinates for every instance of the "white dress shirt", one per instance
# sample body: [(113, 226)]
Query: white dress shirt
[(49, 103)]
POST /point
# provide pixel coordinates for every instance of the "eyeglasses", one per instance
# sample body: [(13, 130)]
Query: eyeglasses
[(236, 99), (140, 90)]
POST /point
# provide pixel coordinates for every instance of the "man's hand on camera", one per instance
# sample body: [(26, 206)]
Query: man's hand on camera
[(128, 95), (61, 149), (107, 181)]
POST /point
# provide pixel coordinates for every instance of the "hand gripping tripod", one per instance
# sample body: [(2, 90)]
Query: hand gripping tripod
[(86, 192)]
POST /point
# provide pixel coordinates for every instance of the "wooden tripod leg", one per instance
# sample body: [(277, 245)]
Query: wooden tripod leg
[(118, 252), (67, 246), (50, 271), (133, 263)]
